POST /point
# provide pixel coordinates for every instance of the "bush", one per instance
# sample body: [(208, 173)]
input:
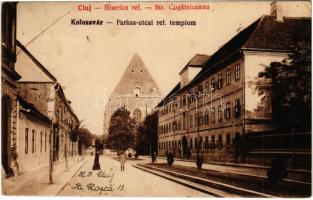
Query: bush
[(277, 172)]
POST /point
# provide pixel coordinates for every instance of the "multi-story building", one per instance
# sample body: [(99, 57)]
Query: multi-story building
[(136, 90), (8, 84), (220, 98), (41, 89)]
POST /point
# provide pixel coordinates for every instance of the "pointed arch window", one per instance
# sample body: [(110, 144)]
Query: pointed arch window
[(137, 115)]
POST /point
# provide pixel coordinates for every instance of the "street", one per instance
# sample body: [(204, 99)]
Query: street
[(110, 181)]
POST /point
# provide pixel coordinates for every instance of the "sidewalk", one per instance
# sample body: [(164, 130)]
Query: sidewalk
[(36, 182), (243, 169)]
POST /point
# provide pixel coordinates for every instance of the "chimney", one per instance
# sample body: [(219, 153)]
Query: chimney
[(277, 11)]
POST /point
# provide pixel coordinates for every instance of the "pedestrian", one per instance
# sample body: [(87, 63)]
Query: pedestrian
[(153, 157), (122, 160), (96, 164)]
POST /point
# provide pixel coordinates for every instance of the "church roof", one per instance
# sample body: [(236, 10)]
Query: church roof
[(135, 75)]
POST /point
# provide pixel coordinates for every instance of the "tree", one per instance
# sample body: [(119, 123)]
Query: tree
[(147, 135), (121, 130), (85, 137), (291, 87)]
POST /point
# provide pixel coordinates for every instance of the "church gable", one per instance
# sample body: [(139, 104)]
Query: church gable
[(136, 80)]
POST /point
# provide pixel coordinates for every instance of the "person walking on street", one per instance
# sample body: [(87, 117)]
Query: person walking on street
[(122, 160)]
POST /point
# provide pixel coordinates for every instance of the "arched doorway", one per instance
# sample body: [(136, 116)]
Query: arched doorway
[(184, 146), (5, 134)]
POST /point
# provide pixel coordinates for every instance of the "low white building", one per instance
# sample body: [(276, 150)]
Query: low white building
[(33, 130)]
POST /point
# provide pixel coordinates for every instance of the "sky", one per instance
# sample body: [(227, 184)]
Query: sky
[(88, 61)]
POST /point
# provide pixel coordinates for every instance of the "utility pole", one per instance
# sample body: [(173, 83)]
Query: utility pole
[(51, 142), (65, 150)]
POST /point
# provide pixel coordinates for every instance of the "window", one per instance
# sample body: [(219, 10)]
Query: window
[(45, 141), (206, 87), (228, 141), (200, 119), (213, 115), (137, 116), (206, 117), (41, 134), (196, 143), (220, 142), (219, 113), (220, 81), (213, 141), (213, 84), (237, 108), (200, 90), (26, 140), (179, 124), (237, 72), (228, 77), (184, 121), (33, 141), (137, 91), (191, 147), (196, 120), (227, 111), (190, 121), (206, 142)]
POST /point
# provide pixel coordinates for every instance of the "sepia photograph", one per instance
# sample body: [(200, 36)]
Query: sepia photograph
[(156, 99)]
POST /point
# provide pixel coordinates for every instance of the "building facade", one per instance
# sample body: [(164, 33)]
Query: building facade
[(33, 139), (136, 90), (8, 85), (213, 111), (40, 88)]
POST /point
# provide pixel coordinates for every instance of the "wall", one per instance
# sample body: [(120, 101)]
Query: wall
[(226, 127), (40, 157)]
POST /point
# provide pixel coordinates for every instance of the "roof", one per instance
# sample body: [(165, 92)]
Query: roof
[(198, 60), (275, 35), (32, 110), (172, 92), (35, 61), (265, 34)]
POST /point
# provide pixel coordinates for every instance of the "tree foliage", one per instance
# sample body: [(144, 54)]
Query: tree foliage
[(291, 87), (121, 130), (147, 135), (85, 137)]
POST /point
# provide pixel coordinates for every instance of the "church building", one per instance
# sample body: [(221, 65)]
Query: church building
[(136, 90)]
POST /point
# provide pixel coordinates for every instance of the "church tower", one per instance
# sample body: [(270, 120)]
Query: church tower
[(136, 90)]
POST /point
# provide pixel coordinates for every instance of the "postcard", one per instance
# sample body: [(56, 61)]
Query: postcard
[(156, 99)]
